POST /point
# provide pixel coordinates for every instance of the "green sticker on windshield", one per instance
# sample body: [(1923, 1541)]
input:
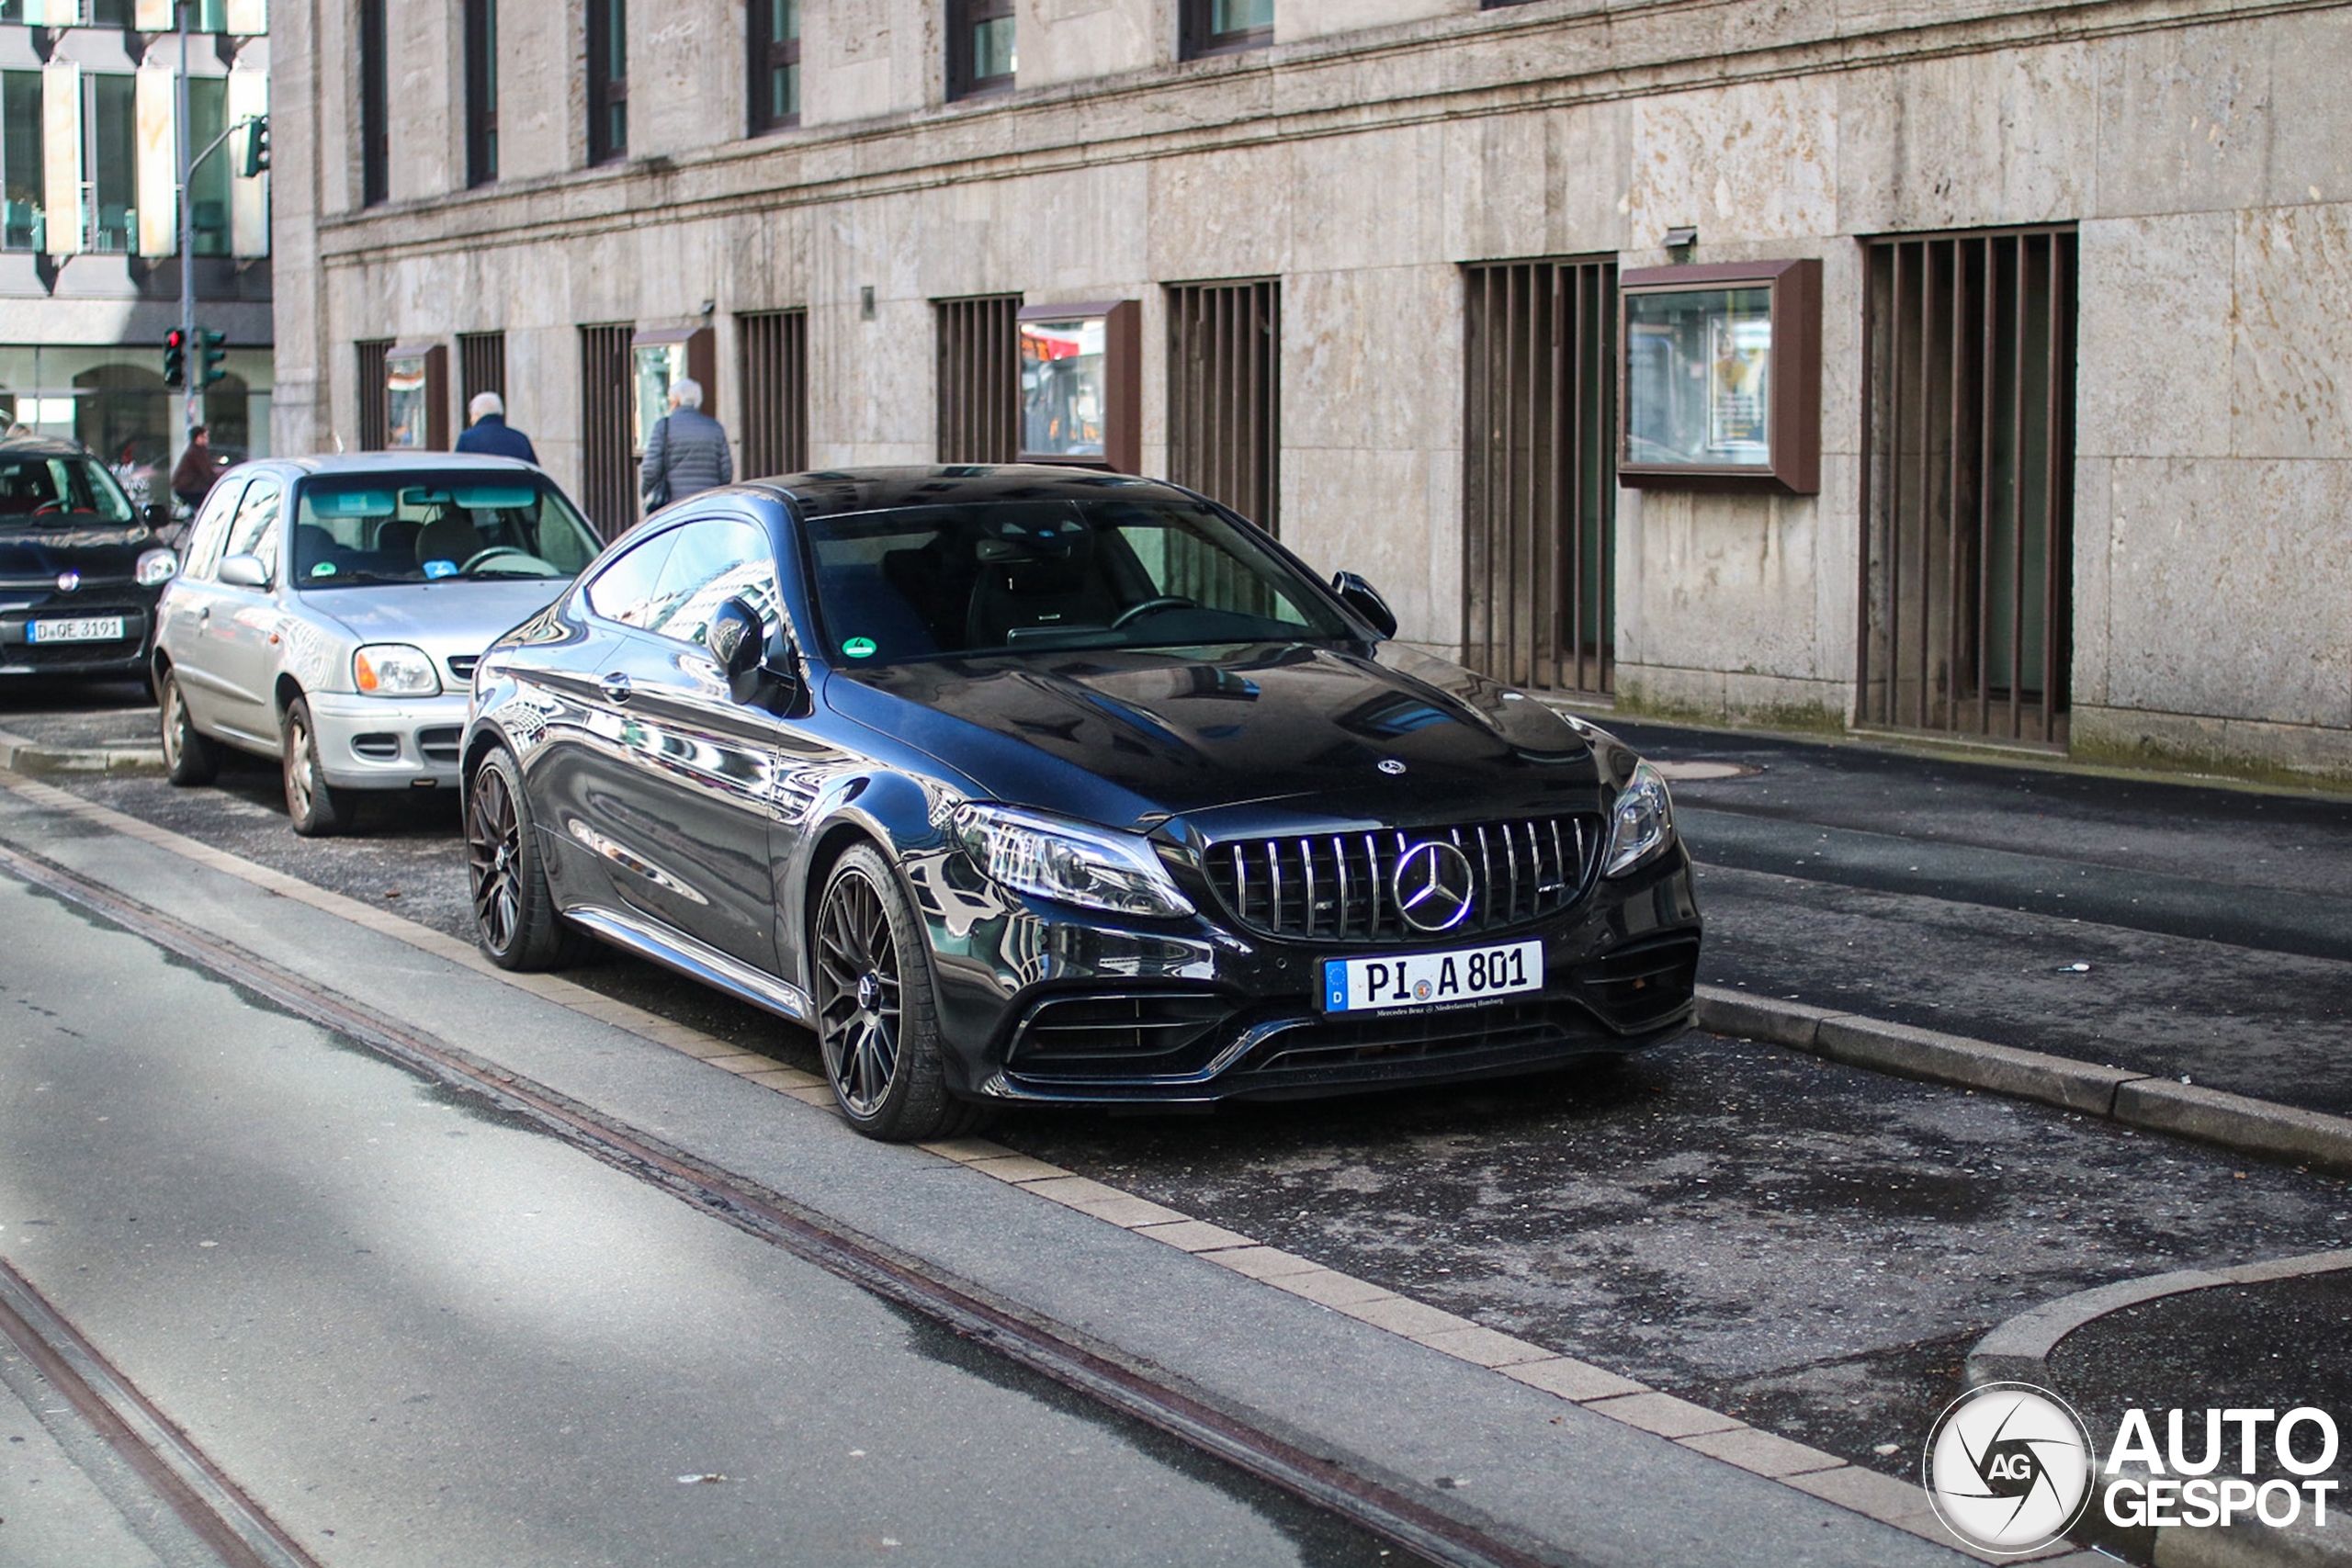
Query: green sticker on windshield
[(859, 647), (324, 568)]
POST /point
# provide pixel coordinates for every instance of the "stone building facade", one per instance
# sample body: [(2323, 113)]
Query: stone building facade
[(2150, 200)]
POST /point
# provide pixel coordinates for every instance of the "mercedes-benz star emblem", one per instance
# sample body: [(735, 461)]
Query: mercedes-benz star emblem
[(68, 581), (1391, 766), (1433, 886)]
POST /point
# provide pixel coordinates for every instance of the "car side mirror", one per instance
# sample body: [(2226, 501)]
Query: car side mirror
[(243, 571), (1365, 600), (737, 642)]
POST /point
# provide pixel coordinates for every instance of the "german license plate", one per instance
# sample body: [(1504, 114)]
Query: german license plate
[(88, 629), (1431, 979)]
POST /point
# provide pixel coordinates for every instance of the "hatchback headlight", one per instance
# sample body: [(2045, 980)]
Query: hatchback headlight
[(1095, 868), (1642, 822), (155, 569), (394, 670)]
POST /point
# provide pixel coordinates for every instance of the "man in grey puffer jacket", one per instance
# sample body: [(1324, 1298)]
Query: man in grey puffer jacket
[(685, 452)]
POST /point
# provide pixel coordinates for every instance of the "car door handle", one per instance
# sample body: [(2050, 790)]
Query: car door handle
[(615, 686)]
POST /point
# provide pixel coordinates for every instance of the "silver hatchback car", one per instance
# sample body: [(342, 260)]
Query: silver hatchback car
[(330, 610)]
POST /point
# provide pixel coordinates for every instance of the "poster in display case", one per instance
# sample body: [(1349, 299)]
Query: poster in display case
[(416, 397), (1720, 379), (660, 357), (1081, 384)]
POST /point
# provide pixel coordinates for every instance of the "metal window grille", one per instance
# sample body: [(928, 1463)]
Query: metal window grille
[(1540, 476), (1967, 494), (607, 79), (774, 36), (375, 412), (607, 465), (375, 107), (772, 346), (979, 379), (482, 366), (481, 91), (1225, 394)]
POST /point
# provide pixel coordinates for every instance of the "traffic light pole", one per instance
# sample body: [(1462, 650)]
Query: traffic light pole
[(189, 416)]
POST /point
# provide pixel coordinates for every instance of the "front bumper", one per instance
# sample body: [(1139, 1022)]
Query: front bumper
[(1045, 1004), (388, 743), (20, 655)]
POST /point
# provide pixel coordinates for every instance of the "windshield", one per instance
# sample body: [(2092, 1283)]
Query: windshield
[(928, 582), (425, 527), (41, 491)]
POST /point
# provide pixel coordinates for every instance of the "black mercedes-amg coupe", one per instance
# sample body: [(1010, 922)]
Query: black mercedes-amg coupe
[(1038, 784)]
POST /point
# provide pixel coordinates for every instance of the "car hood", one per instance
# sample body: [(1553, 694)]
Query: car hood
[(443, 618), (1237, 739), (96, 549)]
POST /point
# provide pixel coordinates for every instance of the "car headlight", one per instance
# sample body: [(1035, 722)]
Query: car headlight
[(394, 670), (1642, 822), (155, 569), (1095, 868)]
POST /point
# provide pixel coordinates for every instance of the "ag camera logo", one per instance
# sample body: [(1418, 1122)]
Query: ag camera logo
[(2008, 1467)]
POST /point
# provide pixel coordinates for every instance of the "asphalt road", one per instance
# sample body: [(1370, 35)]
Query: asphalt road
[(418, 1330), (1805, 1245)]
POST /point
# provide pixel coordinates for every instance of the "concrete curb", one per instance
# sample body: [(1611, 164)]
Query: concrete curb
[(2019, 1351), (2236, 1122), (33, 758)]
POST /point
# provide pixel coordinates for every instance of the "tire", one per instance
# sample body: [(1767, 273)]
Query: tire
[(189, 759), (316, 810), (516, 924), (877, 1019)]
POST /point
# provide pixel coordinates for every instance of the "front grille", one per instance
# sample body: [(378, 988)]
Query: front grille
[(462, 666), (378, 746), (438, 744), (1339, 888)]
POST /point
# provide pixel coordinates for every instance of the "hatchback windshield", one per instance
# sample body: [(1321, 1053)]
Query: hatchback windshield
[(428, 527), (38, 491), (925, 582)]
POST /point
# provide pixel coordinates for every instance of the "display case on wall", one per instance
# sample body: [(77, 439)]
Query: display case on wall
[(416, 397), (1720, 377), (1081, 385), (660, 357)]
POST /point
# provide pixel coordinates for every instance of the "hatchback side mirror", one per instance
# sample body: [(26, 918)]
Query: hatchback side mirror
[(737, 644), (243, 571), (1365, 600)]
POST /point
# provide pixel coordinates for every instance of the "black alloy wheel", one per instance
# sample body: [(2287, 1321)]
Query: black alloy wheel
[(316, 809), (515, 923), (189, 757), (877, 1024)]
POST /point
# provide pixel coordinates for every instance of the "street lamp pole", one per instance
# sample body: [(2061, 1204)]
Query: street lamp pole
[(192, 376)]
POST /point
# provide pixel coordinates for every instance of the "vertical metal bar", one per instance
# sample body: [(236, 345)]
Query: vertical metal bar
[(1988, 333), (1895, 500), (1562, 517), (1874, 327), (1926, 475), (2017, 504), (2053, 413), (1953, 599), (1306, 858)]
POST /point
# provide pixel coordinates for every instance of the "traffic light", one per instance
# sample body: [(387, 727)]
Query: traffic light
[(256, 145), (174, 358), (213, 354)]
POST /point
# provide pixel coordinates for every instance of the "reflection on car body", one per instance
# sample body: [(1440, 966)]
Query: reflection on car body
[(1028, 785)]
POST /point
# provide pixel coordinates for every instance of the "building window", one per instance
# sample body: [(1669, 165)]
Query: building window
[(1968, 441), (111, 133), (482, 92), (774, 348), (21, 167), (207, 114), (481, 367), (374, 406), (1539, 482), (979, 379), (776, 64), (981, 54), (1225, 393), (1225, 26), (375, 107), (607, 79), (607, 424)]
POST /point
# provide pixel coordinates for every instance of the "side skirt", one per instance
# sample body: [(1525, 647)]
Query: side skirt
[(679, 952)]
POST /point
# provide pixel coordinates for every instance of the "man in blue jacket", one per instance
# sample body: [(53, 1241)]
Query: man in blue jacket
[(685, 452), (488, 434)]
